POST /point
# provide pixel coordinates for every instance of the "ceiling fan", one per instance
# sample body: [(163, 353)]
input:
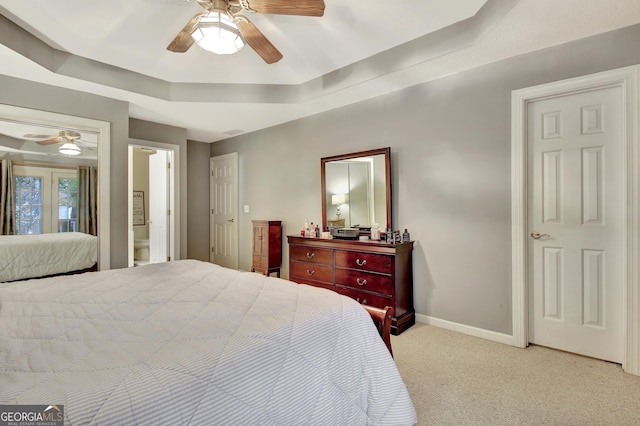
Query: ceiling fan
[(222, 16), (69, 139)]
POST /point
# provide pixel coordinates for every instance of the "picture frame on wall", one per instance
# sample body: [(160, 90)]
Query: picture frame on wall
[(138, 208)]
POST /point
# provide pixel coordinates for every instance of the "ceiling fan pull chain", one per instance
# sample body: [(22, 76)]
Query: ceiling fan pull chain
[(245, 5)]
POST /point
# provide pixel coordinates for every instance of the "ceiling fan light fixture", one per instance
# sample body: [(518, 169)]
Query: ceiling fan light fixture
[(69, 148), (216, 32)]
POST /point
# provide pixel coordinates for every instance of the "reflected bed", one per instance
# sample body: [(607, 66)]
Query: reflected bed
[(189, 342), (33, 256)]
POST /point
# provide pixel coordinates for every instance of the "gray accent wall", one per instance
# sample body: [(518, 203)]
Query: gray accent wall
[(450, 147), (198, 200)]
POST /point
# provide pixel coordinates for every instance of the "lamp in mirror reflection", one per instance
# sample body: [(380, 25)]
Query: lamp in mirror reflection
[(69, 148), (338, 200)]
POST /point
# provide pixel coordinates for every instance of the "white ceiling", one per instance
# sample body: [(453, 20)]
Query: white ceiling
[(358, 50)]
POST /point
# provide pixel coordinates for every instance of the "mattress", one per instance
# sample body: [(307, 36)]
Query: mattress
[(189, 342), (39, 255)]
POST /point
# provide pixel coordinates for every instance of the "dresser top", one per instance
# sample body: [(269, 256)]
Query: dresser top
[(358, 245)]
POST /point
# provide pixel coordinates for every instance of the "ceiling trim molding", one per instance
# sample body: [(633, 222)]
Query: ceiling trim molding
[(402, 58)]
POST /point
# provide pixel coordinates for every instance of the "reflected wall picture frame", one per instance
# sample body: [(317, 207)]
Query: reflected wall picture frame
[(138, 208)]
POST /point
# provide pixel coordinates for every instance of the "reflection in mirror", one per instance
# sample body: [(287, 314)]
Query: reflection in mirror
[(356, 190), (49, 168)]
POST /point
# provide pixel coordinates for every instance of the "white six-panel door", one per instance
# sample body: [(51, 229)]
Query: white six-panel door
[(575, 222), (224, 210)]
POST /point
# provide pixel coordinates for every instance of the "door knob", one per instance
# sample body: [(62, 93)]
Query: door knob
[(230, 220), (536, 235)]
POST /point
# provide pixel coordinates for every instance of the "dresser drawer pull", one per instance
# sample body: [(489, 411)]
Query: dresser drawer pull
[(363, 282), (310, 272), (364, 301), (361, 263), (311, 255)]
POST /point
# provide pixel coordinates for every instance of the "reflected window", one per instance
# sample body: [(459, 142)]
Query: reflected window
[(67, 204), (46, 200), (28, 193)]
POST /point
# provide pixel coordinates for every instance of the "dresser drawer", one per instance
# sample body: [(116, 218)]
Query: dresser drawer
[(309, 271), (318, 284), (363, 281), (311, 254), (365, 298), (370, 272), (363, 261)]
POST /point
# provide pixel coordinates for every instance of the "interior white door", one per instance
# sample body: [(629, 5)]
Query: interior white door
[(224, 210), (575, 214), (158, 207)]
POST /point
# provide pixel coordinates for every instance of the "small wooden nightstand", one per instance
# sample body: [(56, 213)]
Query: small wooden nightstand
[(267, 246)]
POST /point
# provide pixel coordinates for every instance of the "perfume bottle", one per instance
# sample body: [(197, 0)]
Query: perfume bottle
[(390, 237), (405, 236)]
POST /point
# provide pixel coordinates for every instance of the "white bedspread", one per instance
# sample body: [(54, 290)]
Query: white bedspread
[(38, 255), (189, 342)]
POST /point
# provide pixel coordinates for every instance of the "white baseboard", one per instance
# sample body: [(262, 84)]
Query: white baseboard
[(466, 329)]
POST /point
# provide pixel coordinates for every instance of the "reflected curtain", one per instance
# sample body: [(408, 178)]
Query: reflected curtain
[(88, 200), (7, 199)]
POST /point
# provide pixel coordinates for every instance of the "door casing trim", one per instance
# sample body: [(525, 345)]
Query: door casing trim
[(627, 79), (175, 246)]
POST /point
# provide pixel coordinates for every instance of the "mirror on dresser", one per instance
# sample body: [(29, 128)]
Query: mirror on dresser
[(356, 189), (24, 142)]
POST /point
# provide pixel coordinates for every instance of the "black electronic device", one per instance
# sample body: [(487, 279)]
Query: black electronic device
[(345, 233)]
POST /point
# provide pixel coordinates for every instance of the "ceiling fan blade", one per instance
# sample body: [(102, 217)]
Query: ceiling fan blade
[(49, 141), (183, 41), (288, 7), (258, 42), (32, 136)]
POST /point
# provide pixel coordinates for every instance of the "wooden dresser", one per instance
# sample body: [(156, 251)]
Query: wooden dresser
[(373, 273), (267, 246)]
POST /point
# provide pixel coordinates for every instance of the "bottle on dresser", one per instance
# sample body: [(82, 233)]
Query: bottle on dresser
[(375, 232)]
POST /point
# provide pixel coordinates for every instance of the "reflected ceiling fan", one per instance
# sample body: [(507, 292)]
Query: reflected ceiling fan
[(69, 140), (221, 29)]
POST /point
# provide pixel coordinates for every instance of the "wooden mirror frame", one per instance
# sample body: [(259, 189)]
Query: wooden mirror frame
[(387, 160)]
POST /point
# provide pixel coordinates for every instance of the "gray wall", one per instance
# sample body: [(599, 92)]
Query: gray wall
[(198, 200), (450, 147)]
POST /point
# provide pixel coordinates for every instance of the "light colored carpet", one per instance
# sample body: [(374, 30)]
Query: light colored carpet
[(455, 379)]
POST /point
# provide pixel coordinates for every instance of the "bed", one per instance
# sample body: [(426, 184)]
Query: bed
[(189, 342), (39, 255)]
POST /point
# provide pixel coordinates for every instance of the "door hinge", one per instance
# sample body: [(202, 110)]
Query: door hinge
[(168, 212), (168, 165)]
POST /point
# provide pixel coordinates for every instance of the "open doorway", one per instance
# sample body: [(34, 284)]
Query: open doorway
[(152, 222)]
